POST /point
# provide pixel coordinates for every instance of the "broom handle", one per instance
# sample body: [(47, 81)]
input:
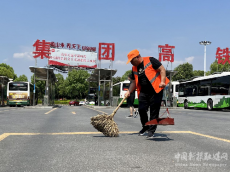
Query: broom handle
[(119, 105)]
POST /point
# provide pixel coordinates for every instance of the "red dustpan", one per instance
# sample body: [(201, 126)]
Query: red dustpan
[(162, 121)]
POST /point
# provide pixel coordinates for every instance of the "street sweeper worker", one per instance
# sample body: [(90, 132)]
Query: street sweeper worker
[(149, 78)]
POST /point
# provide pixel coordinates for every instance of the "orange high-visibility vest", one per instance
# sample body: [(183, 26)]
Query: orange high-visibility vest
[(153, 76)]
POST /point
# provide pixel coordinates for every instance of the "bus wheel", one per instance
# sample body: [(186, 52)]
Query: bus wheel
[(210, 104), (186, 104)]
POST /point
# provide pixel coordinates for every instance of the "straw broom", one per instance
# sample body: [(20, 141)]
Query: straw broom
[(105, 124)]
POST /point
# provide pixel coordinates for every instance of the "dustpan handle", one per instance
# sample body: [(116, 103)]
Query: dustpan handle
[(119, 105), (168, 114)]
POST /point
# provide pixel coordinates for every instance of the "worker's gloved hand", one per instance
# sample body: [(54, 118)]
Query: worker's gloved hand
[(162, 85), (127, 94)]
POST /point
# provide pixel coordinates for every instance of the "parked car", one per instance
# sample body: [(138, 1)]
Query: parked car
[(74, 102), (82, 103)]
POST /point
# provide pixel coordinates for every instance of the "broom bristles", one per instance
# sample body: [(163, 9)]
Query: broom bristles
[(105, 124)]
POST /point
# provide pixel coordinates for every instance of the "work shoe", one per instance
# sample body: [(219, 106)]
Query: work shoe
[(135, 114), (142, 132), (130, 116), (150, 134)]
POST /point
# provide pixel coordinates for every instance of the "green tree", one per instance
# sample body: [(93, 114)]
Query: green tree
[(40, 85), (184, 71), (59, 86), (215, 67), (116, 79), (22, 78), (198, 73), (9, 69), (76, 83), (5, 72), (125, 76)]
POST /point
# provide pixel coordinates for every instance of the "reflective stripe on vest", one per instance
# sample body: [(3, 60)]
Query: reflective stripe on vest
[(158, 73), (154, 78), (147, 65), (152, 75)]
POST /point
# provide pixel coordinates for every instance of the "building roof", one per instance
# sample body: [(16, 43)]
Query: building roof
[(41, 73)]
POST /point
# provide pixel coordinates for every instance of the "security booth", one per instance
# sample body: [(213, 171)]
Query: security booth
[(45, 74), (105, 90), (3, 87), (168, 99)]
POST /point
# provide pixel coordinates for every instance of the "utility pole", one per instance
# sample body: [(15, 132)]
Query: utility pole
[(205, 43)]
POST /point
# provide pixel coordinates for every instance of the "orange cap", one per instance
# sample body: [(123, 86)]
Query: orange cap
[(132, 54)]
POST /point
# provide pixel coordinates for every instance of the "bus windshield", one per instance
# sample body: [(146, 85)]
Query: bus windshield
[(125, 86), (18, 87)]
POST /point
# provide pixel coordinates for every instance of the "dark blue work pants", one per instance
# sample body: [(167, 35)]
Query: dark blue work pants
[(152, 100)]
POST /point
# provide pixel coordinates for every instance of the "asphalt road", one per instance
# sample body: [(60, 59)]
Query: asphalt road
[(62, 139)]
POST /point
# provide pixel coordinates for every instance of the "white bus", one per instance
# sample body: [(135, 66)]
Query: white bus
[(119, 90), (20, 93), (210, 92)]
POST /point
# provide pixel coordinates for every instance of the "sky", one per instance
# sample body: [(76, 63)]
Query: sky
[(130, 24)]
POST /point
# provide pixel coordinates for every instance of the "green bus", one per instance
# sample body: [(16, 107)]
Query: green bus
[(211, 92)]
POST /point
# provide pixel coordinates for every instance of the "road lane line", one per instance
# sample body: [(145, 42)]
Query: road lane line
[(80, 133), (73, 113), (3, 136), (50, 111), (211, 137)]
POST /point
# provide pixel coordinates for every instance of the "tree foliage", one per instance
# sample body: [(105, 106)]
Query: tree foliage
[(40, 85), (60, 85), (76, 83), (7, 70), (22, 78), (184, 71), (215, 67), (125, 76), (116, 79), (198, 73)]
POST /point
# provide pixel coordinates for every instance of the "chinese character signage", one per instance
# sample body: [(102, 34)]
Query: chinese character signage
[(222, 55), (72, 46), (166, 53), (42, 49), (106, 51), (64, 57)]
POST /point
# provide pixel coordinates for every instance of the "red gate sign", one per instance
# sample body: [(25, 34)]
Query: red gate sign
[(106, 51), (222, 55), (42, 48), (166, 53)]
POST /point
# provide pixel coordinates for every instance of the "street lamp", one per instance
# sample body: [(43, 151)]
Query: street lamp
[(205, 43)]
